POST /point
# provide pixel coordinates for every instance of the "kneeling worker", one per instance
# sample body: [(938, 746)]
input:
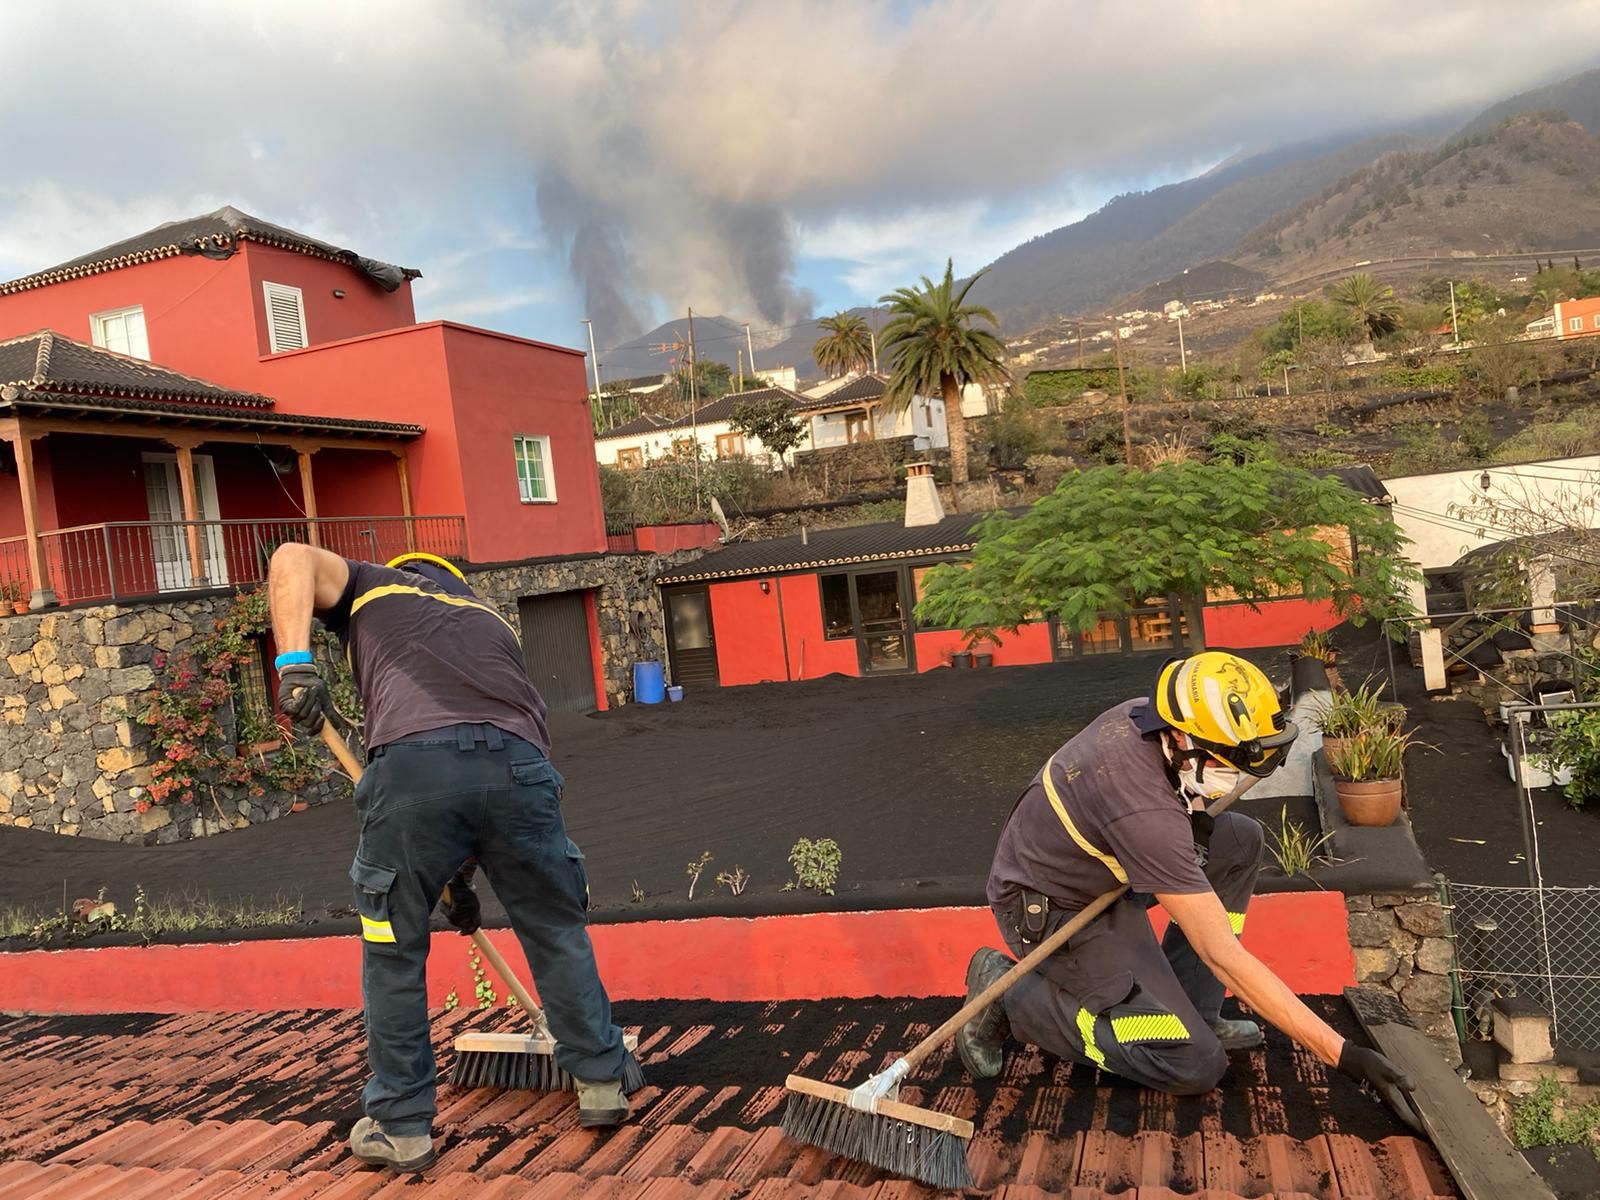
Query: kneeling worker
[(1124, 802), (458, 769)]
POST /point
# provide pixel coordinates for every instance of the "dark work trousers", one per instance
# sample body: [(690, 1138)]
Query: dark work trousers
[(1114, 998), (426, 804)]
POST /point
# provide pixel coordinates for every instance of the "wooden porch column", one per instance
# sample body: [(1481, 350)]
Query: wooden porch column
[(308, 493), (191, 509), (405, 498), (43, 595)]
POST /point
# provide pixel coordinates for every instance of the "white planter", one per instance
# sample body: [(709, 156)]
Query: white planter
[(1538, 777)]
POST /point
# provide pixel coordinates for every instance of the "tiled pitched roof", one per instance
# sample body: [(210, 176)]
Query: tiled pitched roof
[(214, 234), (46, 372), (833, 547), (720, 409), (257, 1105), (1362, 480), (860, 390), (48, 362)]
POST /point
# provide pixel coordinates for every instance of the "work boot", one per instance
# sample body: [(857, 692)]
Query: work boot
[(981, 1042), (404, 1152), (1237, 1035), (601, 1103)]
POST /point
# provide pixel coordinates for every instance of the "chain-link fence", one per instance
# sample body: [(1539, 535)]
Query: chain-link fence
[(1542, 944)]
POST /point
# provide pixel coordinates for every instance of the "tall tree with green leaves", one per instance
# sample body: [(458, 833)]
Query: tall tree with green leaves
[(1372, 305), (1241, 524), (935, 348), (845, 346)]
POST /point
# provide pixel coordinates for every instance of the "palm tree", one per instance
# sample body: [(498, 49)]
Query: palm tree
[(1372, 305), (934, 348), (846, 346)]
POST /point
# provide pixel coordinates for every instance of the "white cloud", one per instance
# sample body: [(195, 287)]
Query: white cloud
[(669, 150)]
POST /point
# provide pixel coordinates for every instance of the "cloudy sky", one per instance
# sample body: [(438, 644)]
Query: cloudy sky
[(622, 159)]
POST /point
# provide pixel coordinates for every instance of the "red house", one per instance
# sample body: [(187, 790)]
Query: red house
[(175, 404)]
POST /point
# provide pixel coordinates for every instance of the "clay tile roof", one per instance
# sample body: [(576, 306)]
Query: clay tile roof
[(857, 391), (46, 372), (720, 409), (257, 1106), (216, 235), (833, 547)]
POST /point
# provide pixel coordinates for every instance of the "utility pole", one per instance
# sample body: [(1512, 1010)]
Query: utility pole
[(1122, 386), (1455, 332), (694, 407), (748, 344), (594, 365), (1300, 318), (741, 370), (873, 334), (1080, 347), (1183, 355)]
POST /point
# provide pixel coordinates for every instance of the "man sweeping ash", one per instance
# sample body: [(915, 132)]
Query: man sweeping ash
[(458, 773), (1124, 802)]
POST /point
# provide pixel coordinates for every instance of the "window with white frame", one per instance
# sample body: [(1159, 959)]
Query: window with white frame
[(1575, 324), (121, 330), (286, 317), (535, 482)]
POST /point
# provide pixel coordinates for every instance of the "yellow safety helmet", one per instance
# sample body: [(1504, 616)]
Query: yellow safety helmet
[(419, 556), (1227, 706)]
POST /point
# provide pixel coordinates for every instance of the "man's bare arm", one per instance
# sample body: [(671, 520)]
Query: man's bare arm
[(301, 580), (1202, 917)]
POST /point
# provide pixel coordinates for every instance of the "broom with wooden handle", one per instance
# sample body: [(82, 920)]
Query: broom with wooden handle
[(503, 1060), (869, 1124)]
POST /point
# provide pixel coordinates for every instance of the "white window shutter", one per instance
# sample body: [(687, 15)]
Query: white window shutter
[(286, 318)]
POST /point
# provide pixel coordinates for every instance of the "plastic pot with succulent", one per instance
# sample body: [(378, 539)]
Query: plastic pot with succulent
[(1366, 775), (1312, 663)]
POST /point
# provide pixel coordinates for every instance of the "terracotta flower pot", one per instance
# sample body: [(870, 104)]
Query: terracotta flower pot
[(1369, 802), (1333, 745), (20, 607)]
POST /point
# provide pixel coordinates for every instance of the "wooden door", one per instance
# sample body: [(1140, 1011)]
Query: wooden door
[(691, 638)]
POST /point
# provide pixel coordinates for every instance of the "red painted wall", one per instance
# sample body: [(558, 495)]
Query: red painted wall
[(1301, 936), (500, 387), (1030, 644), (664, 539), (811, 655), (365, 307), (749, 636), (198, 313), (1275, 623)]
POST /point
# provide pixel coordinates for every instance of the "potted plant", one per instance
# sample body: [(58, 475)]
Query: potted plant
[(1366, 775), (1312, 663), (1348, 713), (13, 593)]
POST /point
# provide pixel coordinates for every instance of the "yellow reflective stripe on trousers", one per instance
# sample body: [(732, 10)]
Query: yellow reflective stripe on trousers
[(1084, 844), (1148, 1027), (1236, 923), (376, 931), (1086, 1031), (400, 589)]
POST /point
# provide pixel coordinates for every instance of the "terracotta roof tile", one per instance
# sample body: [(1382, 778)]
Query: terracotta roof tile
[(257, 1106)]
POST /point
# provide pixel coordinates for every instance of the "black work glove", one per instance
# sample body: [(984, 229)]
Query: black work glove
[(1388, 1080), (459, 904), (1201, 823), (303, 698)]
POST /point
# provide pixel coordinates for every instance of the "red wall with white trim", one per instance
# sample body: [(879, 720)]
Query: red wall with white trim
[(1273, 623)]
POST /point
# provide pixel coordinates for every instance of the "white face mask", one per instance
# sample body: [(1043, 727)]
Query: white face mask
[(1218, 780)]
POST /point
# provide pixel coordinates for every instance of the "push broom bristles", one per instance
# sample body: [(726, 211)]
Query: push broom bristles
[(911, 1142), (524, 1062)]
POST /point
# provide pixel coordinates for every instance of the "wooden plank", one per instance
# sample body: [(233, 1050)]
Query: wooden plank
[(1485, 1165)]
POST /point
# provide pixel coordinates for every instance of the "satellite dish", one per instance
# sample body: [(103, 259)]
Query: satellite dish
[(722, 517)]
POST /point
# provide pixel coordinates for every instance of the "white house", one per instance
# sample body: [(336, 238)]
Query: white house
[(649, 438), (1428, 508)]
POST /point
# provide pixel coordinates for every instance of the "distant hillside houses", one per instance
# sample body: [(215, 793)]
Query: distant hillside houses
[(838, 412)]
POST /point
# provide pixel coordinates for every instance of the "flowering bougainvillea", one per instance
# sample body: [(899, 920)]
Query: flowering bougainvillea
[(203, 736)]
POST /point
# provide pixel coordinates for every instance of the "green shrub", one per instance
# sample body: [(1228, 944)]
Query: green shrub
[(1574, 743), (1534, 1121), (1054, 389), (1398, 375), (816, 864)]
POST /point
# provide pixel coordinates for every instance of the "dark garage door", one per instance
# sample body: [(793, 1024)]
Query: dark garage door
[(555, 644)]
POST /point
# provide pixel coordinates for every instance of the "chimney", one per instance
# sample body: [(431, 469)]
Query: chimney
[(923, 506)]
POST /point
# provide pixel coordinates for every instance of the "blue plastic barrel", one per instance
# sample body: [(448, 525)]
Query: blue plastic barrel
[(649, 683)]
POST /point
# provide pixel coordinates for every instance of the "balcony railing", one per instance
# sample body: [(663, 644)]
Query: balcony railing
[(123, 560)]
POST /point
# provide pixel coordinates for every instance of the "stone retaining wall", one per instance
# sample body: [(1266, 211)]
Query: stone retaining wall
[(71, 759), (1400, 943), (74, 763)]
